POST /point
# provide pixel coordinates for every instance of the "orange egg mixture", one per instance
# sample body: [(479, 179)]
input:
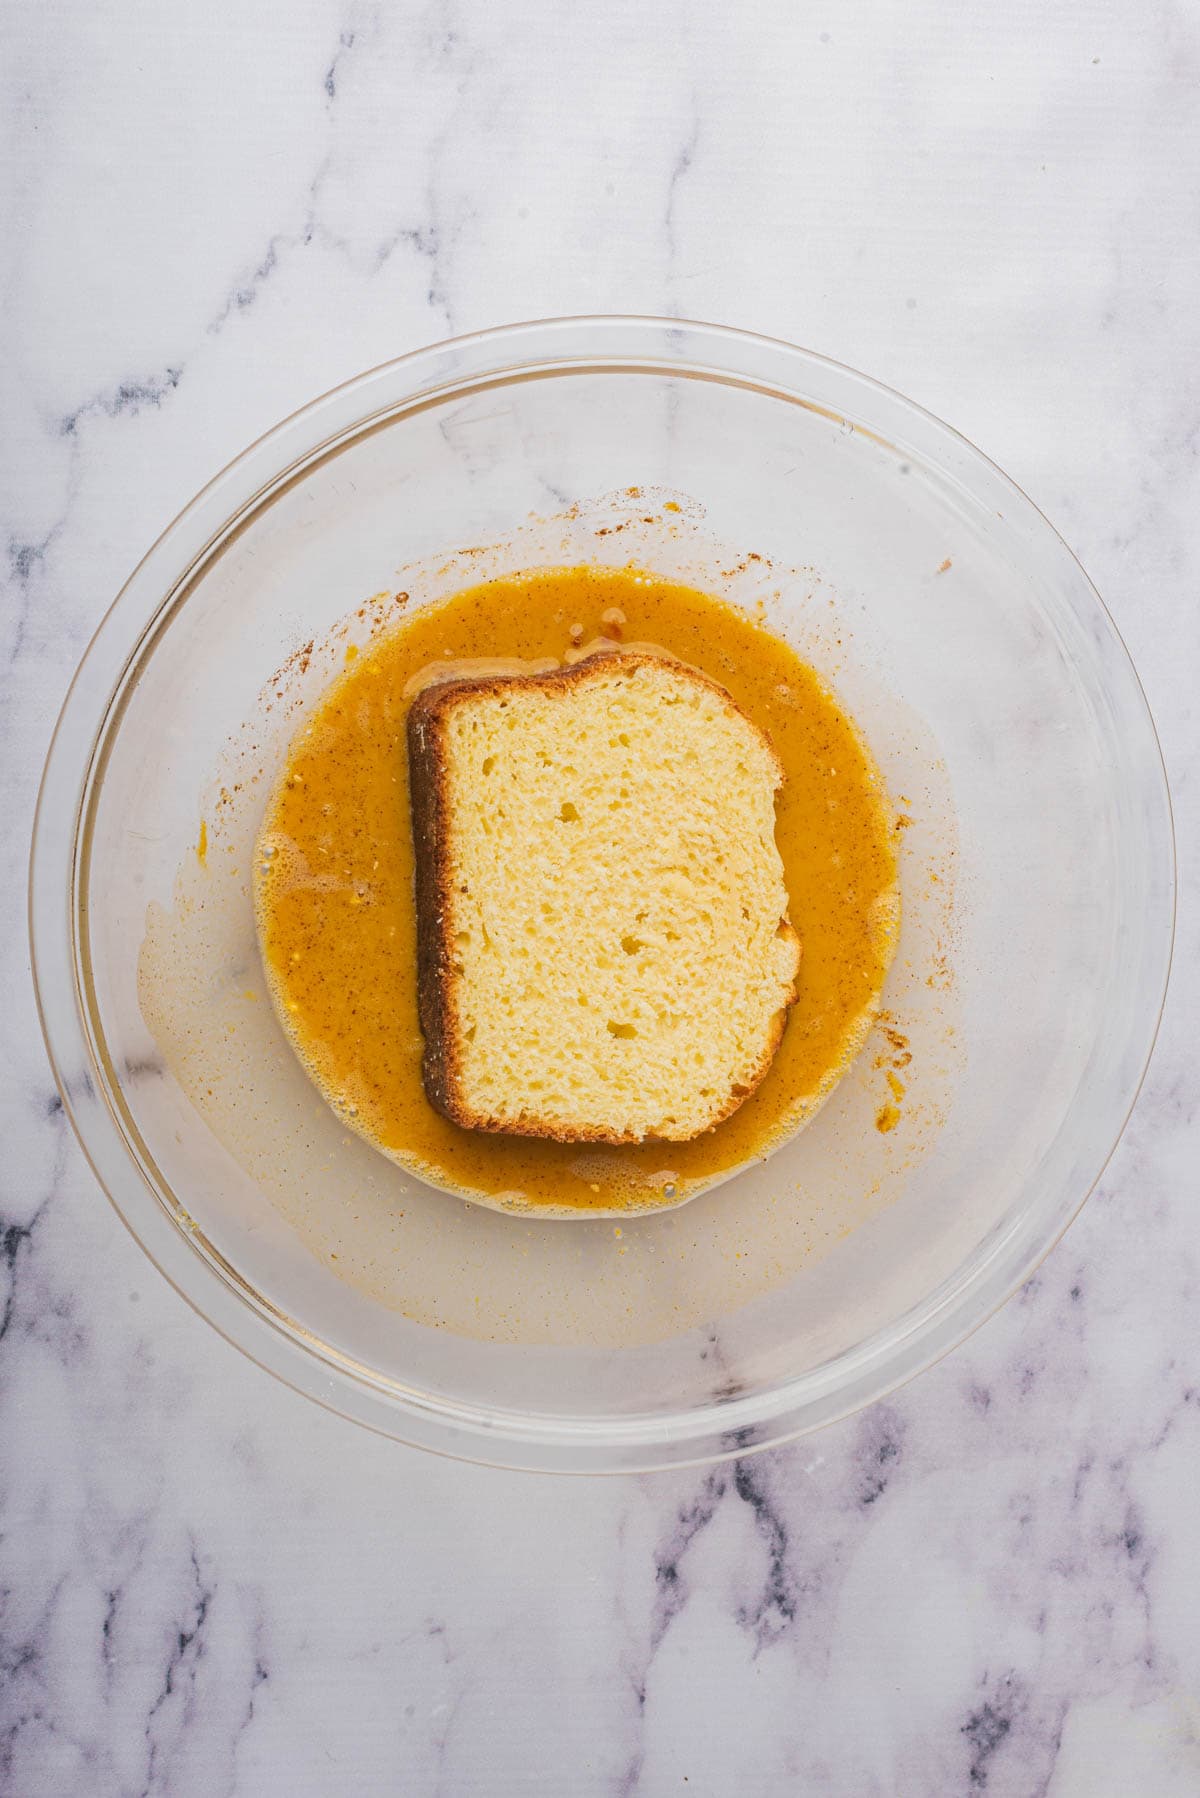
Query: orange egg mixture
[(337, 920)]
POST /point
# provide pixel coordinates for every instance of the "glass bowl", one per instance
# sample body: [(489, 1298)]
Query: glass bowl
[(1036, 865)]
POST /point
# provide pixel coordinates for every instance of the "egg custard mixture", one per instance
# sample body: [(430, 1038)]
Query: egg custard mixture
[(334, 884)]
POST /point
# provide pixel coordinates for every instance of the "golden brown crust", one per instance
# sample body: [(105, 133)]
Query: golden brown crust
[(436, 972), (427, 784)]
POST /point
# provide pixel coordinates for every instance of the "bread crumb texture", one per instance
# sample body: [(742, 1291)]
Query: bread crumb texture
[(613, 956)]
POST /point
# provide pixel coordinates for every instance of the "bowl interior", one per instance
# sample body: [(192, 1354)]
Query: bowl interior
[(1035, 867)]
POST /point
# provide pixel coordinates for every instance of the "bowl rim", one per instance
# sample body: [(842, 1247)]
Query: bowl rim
[(631, 1442)]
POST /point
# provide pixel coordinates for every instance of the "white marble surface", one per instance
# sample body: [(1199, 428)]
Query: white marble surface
[(208, 1586)]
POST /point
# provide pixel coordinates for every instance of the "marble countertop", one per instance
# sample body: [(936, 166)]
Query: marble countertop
[(991, 1582)]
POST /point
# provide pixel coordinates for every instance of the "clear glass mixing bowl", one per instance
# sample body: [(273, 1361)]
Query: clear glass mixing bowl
[(1037, 876)]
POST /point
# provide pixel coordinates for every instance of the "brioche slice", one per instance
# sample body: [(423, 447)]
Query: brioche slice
[(604, 951)]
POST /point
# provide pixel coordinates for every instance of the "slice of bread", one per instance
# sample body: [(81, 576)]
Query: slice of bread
[(604, 948)]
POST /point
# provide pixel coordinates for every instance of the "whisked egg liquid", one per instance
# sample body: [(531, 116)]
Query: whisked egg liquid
[(334, 883)]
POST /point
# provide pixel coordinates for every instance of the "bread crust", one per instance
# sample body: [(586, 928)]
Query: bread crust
[(436, 972)]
